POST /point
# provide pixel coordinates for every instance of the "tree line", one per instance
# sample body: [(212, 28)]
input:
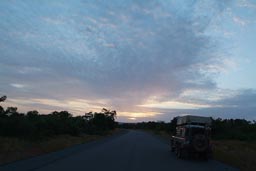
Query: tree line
[(234, 129), (34, 125)]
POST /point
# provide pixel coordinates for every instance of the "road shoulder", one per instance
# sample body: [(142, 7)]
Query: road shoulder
[(34, 163)]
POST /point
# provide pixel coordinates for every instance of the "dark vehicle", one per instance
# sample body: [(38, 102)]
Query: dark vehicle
[(192, 137)]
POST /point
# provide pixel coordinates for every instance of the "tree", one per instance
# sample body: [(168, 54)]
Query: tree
[(88, 116), (3, 98), (109, 113), (11, 110), (173, 124), (109, 118), (62, 114), (2, 112), (32, 114)]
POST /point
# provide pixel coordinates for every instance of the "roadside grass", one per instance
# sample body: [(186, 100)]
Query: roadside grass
[(162, 134), (240, 154), (13, 149)]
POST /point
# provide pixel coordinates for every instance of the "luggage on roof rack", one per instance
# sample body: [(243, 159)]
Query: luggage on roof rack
[(197, 120)]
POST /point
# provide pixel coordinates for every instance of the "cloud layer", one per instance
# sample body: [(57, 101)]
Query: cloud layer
[(124, 53)]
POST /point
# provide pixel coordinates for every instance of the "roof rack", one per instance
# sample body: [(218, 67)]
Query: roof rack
[(194, 120)]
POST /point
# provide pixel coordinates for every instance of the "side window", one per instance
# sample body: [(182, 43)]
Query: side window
[(178, 131), (183, 132)]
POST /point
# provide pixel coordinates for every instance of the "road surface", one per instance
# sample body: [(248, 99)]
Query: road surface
[(129, 151)]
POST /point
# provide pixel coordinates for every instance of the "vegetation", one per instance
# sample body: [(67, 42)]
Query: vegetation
[(241, 154), (222, 129), (234, 129), (33, 125), (26, 135)]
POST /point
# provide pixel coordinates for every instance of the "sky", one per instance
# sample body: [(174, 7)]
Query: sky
[(146, 59)]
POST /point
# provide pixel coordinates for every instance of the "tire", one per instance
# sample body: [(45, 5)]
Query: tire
[(180, 153), (172, 146), (176, 152), (200, 143)]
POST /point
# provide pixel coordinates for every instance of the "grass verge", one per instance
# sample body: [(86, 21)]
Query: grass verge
[(13, 149), (240, 154)]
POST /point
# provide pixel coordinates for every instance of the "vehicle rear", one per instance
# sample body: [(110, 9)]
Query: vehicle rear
[(192, 137), (198, 141)]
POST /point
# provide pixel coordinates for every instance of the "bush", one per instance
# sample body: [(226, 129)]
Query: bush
[(35, 126)]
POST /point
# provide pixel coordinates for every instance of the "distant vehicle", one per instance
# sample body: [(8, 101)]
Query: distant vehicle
[(192, 137)]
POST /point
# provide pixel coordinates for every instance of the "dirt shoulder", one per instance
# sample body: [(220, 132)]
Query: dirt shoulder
[(13, 149)]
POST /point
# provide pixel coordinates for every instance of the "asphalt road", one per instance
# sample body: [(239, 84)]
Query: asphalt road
[(129, 151)]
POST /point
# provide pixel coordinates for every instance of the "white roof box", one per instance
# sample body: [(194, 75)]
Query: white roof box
[(189, 119)]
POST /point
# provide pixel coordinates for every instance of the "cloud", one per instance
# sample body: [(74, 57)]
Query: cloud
[(110, 45), (240, 21), (76, 106), (18, 85), (236, 104), (174, 105), (243, 98), (29, 70), (247, 4), (123, 52)]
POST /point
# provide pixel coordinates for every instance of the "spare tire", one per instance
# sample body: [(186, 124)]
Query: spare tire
[(200, 143)]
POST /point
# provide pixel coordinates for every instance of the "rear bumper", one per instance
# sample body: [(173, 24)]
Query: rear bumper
[(191, 149)]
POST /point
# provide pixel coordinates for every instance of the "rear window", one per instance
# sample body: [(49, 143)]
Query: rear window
[(195, 131)]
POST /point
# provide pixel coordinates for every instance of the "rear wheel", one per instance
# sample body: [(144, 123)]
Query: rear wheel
[(172, 146), (180, 153), (176, 151), (200, 143)]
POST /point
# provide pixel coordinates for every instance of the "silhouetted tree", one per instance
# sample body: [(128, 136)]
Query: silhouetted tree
[(34, 126), (3, 98), (173, 125), (109, 113), (11, 111), (32, 114), (2, 112), (88, 116)]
